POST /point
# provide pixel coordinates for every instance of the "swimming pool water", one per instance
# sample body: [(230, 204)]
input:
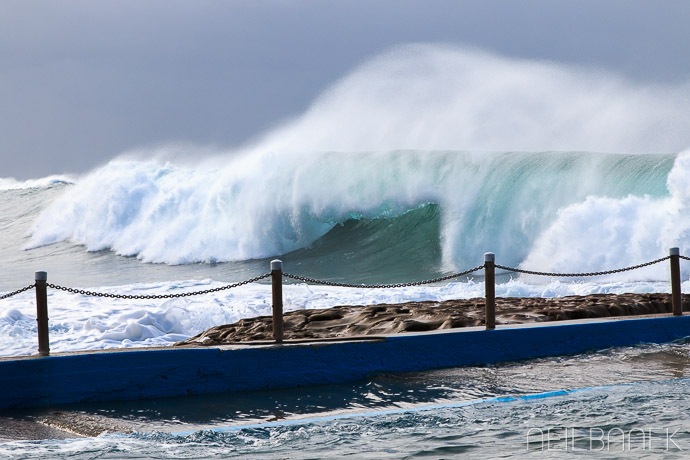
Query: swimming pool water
[(612, 404)]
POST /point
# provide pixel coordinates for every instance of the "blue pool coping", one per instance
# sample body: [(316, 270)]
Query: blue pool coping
[(145, 373)]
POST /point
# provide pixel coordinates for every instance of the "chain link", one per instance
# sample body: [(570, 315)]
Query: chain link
[(155, 296), (18, 291), (331, 283), (607, 272), (381, 286)]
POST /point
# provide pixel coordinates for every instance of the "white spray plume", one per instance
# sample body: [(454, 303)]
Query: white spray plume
[(285, 190), (433, 97)]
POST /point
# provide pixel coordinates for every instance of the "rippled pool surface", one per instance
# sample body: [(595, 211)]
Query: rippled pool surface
[(611, 404)]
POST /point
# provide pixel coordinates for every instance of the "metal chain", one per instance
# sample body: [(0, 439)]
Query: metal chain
[(156, 296), (330, 283), (607, 272), (18, 291), (380, 286)]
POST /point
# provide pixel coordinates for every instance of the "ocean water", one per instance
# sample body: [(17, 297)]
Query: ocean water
[(408, 169), (146, 228)]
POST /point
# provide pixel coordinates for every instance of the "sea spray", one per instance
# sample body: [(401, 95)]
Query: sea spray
[(495, 146), (438, 97)]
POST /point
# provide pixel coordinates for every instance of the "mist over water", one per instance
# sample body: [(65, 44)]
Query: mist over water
[(499, 147), (437, 97)]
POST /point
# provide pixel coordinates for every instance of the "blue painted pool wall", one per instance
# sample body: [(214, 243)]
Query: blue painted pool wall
[(139, 374)]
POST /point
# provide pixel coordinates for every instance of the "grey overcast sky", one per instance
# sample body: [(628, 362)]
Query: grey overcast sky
[(82, 81)]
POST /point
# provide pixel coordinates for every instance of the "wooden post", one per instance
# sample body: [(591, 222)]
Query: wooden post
[(490, 290), (676, 298), (42, 313), (277, 289)]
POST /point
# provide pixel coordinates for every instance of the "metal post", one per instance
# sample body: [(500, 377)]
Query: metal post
[(676, 299), (42, 313), (490, 290), (277, 289)]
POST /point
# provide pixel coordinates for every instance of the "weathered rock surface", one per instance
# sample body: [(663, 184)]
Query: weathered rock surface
[(352, 321)]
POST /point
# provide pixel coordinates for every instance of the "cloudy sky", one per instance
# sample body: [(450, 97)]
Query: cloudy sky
[(82, 81)]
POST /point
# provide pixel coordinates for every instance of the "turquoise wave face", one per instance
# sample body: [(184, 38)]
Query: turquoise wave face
[(376, 250), (509, 201), (501, 203)]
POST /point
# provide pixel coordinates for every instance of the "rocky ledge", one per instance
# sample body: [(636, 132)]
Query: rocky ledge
[(355, 321)]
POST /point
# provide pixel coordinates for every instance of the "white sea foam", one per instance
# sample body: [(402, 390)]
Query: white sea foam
[(9, 183), (530, 208), (601, 232)]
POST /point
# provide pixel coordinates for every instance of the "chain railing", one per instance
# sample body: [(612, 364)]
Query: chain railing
[(18, 291), (585, 274), (382, 286), (277, 275), (41, 286), (157, 296), (334, 283), (489, 280)]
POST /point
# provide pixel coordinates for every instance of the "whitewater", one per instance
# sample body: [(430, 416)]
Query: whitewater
[(409, 168)]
